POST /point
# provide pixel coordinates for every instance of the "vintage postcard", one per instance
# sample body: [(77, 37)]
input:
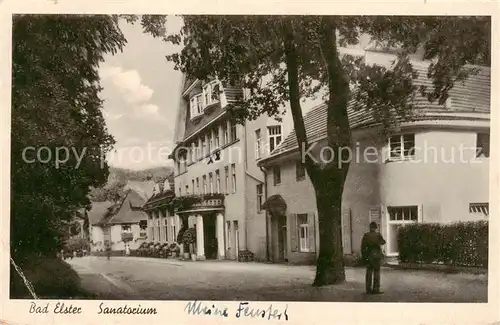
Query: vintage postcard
[(249, 162)]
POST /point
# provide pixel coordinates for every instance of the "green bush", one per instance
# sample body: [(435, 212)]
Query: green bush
[(51, 278), (457, 244)]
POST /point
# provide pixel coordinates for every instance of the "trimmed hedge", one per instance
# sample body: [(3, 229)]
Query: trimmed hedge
[(457, 244)]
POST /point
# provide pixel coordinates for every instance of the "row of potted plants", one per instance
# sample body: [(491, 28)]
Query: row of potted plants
[(159, 250)]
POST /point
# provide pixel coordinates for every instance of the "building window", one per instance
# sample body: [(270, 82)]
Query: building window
[(187, 189), (260, 197), (225, 139), (196, 105), (210, 144), (300, 171), (258, 145), (402, 146), (482, 145), (211, 182), (399, 216), (479, 208), (211, 93), (226, 169), (277, 175), (192, 185), (304, 232), (200, 148), (216, 136), (207, 92), (234, 135), (166, 235), (217, 181), (233, 172), (228, 235), (204, 184), (143, 229), (203, 146), (197, 185), (274, 136), (184, 161), (193, 152)]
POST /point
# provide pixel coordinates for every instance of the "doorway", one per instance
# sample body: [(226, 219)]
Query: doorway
[(282, 239), (210, 235)]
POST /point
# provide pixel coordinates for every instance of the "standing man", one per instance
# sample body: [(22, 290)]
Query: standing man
[(108, 251), (372, 256)]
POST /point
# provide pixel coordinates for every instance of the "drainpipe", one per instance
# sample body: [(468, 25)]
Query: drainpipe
[(245, 185), (267, 223)]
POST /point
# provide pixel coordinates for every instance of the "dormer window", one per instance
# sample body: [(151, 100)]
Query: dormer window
[(196, 105), (211, 95)]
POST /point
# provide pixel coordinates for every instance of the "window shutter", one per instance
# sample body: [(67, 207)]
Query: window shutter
[(312, 232), (346, 230), (294, 241)]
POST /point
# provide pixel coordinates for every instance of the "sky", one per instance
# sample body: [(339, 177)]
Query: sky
[(141, 93)]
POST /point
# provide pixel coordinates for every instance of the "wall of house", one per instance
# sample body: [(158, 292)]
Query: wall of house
[(441, 180), (256, 221), (97, 239), (116, 238), (234, 202), (360, 195)]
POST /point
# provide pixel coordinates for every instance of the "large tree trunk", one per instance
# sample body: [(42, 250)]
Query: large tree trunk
[(329, 181), (330, 264)]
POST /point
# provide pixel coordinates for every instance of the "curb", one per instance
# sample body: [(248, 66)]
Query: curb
[(437, 268)]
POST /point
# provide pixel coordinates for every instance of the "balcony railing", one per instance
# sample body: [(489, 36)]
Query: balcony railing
[(209, 203), (195, 202)]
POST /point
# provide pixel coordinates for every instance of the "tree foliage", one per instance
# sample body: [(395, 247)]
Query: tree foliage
[(56, 104), (284, 59)]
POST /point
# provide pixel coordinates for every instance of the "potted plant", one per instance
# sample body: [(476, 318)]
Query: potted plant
[(189, 238), (174, 249)]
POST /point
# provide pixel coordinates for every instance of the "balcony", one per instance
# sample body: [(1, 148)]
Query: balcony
[(202, 202), (209, 97)]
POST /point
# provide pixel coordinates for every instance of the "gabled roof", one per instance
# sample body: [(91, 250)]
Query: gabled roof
[(159, 199), (471, 96), (126, 211), (143, 189), (98, 211)]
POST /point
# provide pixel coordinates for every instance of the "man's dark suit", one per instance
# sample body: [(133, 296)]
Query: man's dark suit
[(372, 256)]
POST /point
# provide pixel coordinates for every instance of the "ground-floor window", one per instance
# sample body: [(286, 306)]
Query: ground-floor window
[(228, 234), (398, 216), (165, 231), (143, 226), (303, 232)]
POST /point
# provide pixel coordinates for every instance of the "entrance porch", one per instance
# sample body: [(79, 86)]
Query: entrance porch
[(210, 238)]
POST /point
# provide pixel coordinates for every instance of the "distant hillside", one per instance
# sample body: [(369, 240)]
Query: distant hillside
[(158, 174), (118, 177)]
